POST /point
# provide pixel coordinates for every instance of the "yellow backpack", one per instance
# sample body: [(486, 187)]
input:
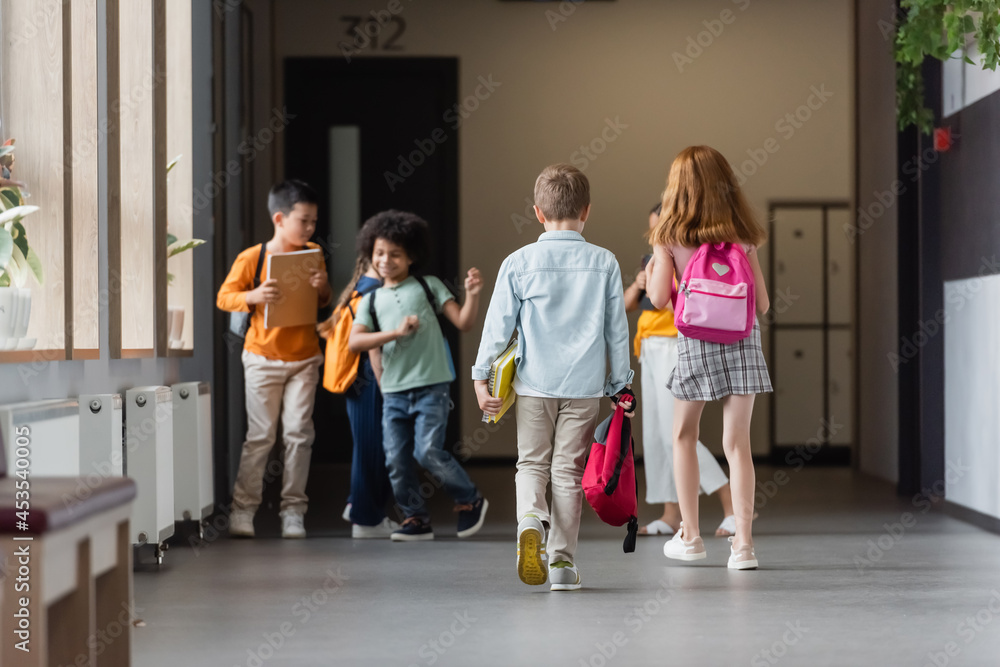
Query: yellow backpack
[(341, 368)]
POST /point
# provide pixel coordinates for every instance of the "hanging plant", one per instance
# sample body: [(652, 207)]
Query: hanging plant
[(939, 29)]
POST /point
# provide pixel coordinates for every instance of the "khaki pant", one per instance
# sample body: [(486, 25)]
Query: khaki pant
[(554, 436), (277, 388)]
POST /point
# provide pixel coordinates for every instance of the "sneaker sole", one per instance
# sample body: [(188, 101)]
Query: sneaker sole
[(293, 536), (469, 532), (530, 567), (565, 587), (744, 565), (686, 556), (370, 536), (412, 538)]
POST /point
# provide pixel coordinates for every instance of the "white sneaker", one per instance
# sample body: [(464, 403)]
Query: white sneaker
[(292, 526), (681, 549), (382, 530), (564, 576), (346, 516), (531, 556), (241, 523), (742, 559)]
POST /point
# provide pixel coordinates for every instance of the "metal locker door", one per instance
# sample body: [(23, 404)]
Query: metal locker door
[(839, 268), (841, 387), (797, 293), (798, 393)]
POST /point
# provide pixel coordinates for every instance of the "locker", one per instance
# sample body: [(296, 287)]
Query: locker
[(840, 269), (797, 245), (798, 390), (840, 386)]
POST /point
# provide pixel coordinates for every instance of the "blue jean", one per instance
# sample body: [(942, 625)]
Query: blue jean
[(413, 426), (369, 479)]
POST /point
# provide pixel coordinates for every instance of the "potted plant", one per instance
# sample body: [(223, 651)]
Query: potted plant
[(176, 314), (18, 260)]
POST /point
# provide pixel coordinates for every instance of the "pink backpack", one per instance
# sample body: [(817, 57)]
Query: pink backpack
[(715, 301), (609, 477)]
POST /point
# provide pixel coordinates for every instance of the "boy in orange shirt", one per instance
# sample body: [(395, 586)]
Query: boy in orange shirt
[(280, 366)]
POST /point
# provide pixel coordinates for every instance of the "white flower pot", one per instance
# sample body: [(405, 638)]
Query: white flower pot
[(23, 312), (9, 303)]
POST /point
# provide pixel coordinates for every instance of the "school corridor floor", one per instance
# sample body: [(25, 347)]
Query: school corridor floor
[(850, 575)]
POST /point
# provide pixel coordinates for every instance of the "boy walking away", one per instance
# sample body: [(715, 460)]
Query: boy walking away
[(564, 297), (280, 365), (417, 369)]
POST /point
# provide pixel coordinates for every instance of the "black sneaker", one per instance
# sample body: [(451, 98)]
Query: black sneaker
[(471, 517), (413, 529)]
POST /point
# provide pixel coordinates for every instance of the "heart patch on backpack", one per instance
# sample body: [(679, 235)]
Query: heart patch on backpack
[(721, 269)]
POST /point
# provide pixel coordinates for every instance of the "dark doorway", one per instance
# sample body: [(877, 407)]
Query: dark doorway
[(373, 134)]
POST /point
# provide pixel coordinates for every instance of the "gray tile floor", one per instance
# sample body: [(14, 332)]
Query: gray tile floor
[(850, 575)]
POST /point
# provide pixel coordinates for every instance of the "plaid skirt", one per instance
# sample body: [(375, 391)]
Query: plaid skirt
[(709, 371)]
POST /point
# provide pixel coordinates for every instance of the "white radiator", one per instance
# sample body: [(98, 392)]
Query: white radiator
[(149, 460), (52, 428), (193, 488), (101, 435)]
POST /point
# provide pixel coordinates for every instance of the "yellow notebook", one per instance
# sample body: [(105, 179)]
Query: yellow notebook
[(501, 382)]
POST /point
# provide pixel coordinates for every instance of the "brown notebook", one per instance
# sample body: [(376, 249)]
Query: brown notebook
[(299, 301)]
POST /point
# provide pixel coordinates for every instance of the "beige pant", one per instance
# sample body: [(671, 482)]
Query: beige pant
[(277, 388), (554, 436)]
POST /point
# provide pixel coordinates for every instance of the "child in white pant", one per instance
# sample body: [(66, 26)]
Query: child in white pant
[(656, 347)]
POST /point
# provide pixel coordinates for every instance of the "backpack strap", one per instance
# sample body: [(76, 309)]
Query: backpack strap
[(428, 293), (260, 265), (371, 311)]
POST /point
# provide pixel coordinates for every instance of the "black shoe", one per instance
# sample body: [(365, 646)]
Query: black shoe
[(413, 529), (471, 517)]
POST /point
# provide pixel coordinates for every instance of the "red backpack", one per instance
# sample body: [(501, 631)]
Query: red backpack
[(609, 478)]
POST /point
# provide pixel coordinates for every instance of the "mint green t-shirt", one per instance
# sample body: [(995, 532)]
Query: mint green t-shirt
[(417, 360)]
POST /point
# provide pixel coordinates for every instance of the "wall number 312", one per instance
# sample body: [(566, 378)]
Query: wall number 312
[(364, 33)]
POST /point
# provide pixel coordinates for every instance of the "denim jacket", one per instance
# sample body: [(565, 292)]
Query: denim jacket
[(564, 297)]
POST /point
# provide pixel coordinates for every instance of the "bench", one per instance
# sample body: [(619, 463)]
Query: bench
[(65, 567)]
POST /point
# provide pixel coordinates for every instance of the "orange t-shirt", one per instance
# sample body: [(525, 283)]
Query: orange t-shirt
[(278, 343)]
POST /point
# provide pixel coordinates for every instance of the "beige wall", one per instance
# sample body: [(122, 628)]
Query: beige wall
[(558, 88), (878, 424)]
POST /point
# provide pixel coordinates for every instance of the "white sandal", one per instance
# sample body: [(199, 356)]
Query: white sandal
[(658, 527)]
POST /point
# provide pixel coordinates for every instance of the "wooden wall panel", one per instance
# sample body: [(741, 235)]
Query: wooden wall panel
[(83, 157), (132, 227), (32, 76), (180, 215)]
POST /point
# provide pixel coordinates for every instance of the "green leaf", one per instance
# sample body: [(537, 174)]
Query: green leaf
[(183, 246), (968, 24), (36, 267), (9, 198), (173, 163), (4, 279), (20, 237), (6, 150), (170, 278), (171, 239), (6, 247)]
